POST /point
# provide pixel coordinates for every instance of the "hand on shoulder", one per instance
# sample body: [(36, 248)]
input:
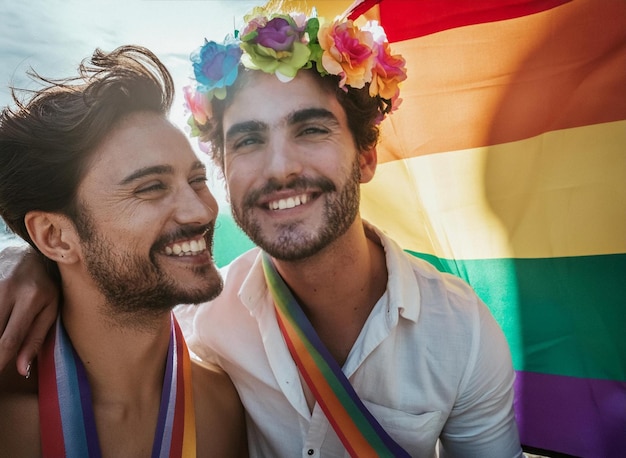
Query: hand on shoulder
[(28, 305)]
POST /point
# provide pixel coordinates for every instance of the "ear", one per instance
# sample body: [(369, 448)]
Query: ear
[(54, 235), (368, 159)]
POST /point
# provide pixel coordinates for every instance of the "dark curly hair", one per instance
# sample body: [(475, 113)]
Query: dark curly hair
[(362, 110)]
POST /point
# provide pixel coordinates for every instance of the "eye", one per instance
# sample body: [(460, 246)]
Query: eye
[(247, 141), (198, 182), (151, 188), (313, 130)]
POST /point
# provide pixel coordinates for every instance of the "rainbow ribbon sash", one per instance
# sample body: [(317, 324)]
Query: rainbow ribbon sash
[(358, 430), (66, 417)]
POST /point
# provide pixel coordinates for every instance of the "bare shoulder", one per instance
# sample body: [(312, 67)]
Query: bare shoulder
[(220, 419), (19, 414)]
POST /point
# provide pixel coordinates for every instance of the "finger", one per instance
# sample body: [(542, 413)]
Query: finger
[(20, 321), (5, 310), (35, 337), (9, 344)]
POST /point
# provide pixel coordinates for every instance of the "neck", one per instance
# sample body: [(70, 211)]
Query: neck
[(338, 287), (124, 364), (125, 370)]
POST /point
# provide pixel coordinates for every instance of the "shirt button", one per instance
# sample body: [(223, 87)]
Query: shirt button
[(311, 452)]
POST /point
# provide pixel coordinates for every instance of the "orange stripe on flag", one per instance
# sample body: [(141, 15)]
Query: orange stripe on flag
[(504, 81)]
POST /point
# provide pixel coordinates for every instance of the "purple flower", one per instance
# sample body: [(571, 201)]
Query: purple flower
[(216, 66), (278, 34)]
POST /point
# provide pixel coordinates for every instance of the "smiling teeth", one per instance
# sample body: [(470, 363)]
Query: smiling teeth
[(188, 248), (290, 202)]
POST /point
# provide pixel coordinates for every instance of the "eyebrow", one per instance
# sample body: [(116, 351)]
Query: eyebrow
[(309, 114), (295, 117), (245, 127), (156, 170)]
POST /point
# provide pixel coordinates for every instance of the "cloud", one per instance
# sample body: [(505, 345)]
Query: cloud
[(53, 36)]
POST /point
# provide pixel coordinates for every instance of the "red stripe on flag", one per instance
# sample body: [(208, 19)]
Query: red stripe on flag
[(412, 19)]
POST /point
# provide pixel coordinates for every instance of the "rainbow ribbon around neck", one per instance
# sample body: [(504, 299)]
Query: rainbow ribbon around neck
[(66, 418), (358, 430)]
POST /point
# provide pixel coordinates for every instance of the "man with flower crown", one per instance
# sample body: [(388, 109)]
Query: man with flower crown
[(339, 343), (337, 340)]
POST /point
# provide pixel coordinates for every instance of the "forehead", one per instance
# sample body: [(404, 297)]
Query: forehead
[(140, 140), (265, 98)]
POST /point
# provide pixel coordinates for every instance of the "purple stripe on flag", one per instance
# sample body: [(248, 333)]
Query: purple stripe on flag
[(576, 416)]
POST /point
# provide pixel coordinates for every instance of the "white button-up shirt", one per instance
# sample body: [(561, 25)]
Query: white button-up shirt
[(431, 364)]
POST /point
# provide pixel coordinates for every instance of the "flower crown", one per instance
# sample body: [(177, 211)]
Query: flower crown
[(282, 44)]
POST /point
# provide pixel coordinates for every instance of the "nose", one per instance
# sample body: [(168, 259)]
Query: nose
[(282, 160), (195, 206)]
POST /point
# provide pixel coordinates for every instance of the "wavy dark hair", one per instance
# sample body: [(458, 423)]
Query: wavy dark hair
[(362, 112), (47, 142)]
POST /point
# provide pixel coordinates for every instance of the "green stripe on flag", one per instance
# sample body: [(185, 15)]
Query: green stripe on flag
[(561, 316)]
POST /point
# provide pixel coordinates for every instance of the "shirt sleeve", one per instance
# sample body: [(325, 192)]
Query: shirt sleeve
[(185, 315), (482, 422)]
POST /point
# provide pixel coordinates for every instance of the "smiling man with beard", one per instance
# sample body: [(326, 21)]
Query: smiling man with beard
[(338, 341), (95, 178)]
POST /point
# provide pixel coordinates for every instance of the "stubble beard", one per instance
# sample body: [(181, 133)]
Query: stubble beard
[(292, 244), (137, 291)]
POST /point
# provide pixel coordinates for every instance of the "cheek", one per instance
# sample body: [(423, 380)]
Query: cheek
[(233, 186), (136, 225), (239, 177)]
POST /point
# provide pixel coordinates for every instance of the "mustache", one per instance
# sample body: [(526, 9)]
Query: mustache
[(298, 184), (187, 232)]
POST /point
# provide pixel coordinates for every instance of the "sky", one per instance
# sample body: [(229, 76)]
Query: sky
[(53, 36)]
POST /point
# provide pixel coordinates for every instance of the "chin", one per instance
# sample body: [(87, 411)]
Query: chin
[(208, 290)]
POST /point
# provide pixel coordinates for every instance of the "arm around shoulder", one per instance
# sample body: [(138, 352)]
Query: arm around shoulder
[(28, 305)]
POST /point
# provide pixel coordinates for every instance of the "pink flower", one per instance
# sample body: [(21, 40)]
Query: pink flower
[(347, 52), (254, 20), (198, 104), (389, 70)]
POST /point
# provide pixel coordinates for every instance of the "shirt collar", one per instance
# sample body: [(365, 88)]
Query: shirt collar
[(402, 286)]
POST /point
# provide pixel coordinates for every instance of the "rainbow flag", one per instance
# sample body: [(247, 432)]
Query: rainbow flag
[(506, 165)]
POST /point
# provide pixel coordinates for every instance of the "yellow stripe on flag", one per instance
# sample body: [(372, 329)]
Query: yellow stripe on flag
[(557, 194)]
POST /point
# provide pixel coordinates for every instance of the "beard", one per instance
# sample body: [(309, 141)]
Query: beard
[(137, 289), (290, 243)]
